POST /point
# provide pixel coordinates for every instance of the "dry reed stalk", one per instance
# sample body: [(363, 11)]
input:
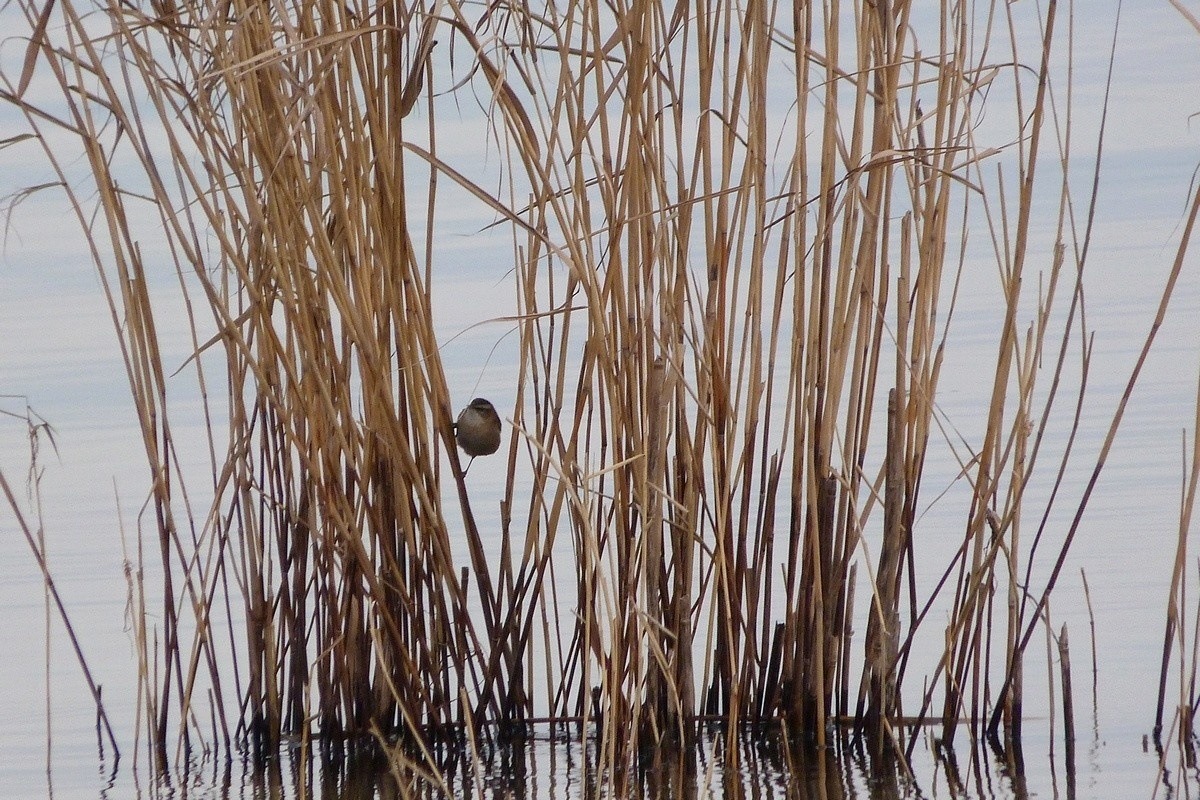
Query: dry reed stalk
[(1064, 655), (1177, 595), (976, 581)]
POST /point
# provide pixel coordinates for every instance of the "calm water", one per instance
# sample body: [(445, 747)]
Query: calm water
[(59, 356)]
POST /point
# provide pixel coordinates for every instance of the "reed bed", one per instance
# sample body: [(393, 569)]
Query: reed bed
[(740, 237)]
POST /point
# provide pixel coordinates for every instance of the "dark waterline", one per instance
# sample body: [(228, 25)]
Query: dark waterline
[(558, 765)]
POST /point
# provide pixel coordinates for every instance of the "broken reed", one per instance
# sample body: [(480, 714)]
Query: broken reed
[(738, 234)]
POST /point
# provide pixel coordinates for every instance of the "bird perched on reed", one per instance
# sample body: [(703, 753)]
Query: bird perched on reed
[(478, 430)]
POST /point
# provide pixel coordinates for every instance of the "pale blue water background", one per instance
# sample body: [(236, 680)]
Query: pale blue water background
[(58, 354)]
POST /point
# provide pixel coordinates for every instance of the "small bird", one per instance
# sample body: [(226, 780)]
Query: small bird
[(478, 430)]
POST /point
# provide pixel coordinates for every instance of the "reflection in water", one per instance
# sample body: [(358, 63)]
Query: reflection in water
[(555, 765)]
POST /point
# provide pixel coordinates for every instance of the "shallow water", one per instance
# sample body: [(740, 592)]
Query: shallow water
[(557, 766), (58, 357)]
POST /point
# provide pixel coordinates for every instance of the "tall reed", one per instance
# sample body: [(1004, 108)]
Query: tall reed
[(739, 234)]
